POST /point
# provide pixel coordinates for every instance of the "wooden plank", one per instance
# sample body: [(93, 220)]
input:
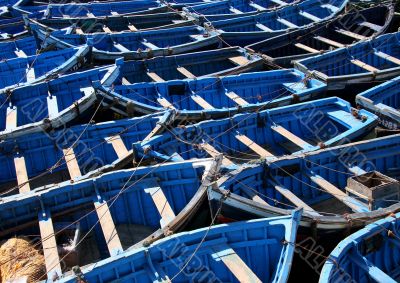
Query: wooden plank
[(11, 118), (239, 60), (165, 103), (371, 26), (106, 29), (200, 101), (185, 72), (329, 41), (363, 65), (20, 53), (125, 81), (263, 27), (257, 7), (310, 16), (132, 27), (214, 153), (120, 47), (236, 98), (287, 23), (352, 203), (52, 105), (49, 244), (161, 202), (118, 146), (114, 13), (234, 263), (235, 11), (253, 195), (306, 48), (356, 170), (78, 30), (149, 44), (72, 163), (90, 15), (155, 77), (330, 7), (279, 2), (22, 174), (291, 137), (387, 57), (253, 146), (107, 225), (351, 34), (30, 74), (290, 196)]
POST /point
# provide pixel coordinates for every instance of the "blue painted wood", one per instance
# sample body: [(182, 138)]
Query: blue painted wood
[(133, 210), (94, 152), (256, 239), (36, 68), (284, 49), (27, 45), (262, 89), (335, 164), (249, 29), (134, 45), (337, 70), (52, 104), (371, 254), (319, 123), (384, 101), (226, 9)]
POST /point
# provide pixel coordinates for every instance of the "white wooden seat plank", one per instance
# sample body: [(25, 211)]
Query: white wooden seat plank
[(239, 60), (200, 101), (329, 41), (234, 263), (235, 11), (114, 13), (306, 48), (263, 27), (78, 31), (165, 103), (106, 29), (30, 74), (72, 163), (120, 47), (52, 106), (257, 7), (91, 15), (125, 81), (118, 146), (351, 34), (310, 16), (387, 57), (107, 225), (253, 146), (160, 201), (49, 244), (291, 137), (287, 23), (132, 27), (154, 77), (236, 98), (20, 53), (213, 152), (372, 26), (22, 174), (279, 2), (11, 118), (363, 65), (185, 72), (149, 45)]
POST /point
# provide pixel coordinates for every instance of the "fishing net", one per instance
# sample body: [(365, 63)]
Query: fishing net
[(20, 259)]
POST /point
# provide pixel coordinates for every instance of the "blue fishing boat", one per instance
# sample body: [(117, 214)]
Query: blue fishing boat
[(51, 104), (134, 45), (340, 189), (115, 23), (26, 70), (249, 29), (92, 9), (369, 255), (383, 100), (166, 197), (226, 9), (354, 26), (267, 134), (211, 97), (222, 253), (364, 62), (220, 62), (48, 157), (17, 48)]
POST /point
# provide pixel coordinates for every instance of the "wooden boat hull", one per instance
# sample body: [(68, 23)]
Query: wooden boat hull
[(47, 106), (37, 68), (104, 204), (283, 50), (369, 254), (129, 45), (267, 134), (364, 62), (383, 101), (246, 30), (227, 95), (218, 253), (272, 189), (104, 147)]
